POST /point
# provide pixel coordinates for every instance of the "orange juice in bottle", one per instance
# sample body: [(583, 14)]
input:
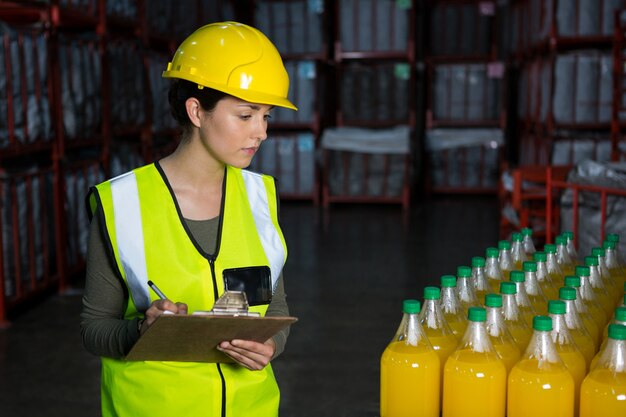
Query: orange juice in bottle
[(504, 258), (571, 247), (533, 289), (566, 347), (611, 284), (616, 269), (603, 391), (618, 318), (552, 265), (544, 278), (515, 322), (465, 289), (498, 332), (474, 382), (479, 278), (410, 370), (527, 240), (562, 256), (579, 333), (451, 307), (517, 250), (540, 385), (588, 321), (591, 297), (523, 302), (585, 296), (603, 293), (492, 268)]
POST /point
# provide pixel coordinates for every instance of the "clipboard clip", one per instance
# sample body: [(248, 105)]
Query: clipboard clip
[(231, 303)]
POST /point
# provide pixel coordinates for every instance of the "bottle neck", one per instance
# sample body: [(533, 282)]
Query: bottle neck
[(522, 296), (572, 319), (552, 264), (449, 301), (476, 338), (531, 283), (542, 272), (465, 290), (479, 279), (410, 330), (517, 252), (542, 348), (571, 249), (506, 260), (560, 333), (610, 256), (562, 257), (510, 309), (492, 269), (613, 356), (586, 291), (594, 277), (495, 321), (529, 245)]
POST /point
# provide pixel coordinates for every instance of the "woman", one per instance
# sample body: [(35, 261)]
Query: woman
[(187, 223)]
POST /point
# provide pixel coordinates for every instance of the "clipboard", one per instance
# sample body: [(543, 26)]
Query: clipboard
[(194, 338)]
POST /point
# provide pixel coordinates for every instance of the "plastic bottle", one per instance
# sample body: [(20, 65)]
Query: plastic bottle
[(589, 321), (501, 338), (517, 250), (597, 284), (608, 280), (465, 289), (618, 318), (527, 240), (492, 268), (583, 339), (451, 306), (513, 318), (505, 258), (474, 382), (533, 289), (613, 264), (545, 279), (435, 326), (614, 237), (603, 391), (589, 297), (566, 347), (562, 256), (479, 278), (523, 302), (571, 247), (410, 370), (540, 385), (553, 266)]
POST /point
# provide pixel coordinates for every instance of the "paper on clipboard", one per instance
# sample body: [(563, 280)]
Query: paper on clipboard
[(194, 338)]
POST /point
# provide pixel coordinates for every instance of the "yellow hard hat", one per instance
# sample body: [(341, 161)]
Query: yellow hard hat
[(236, 59)]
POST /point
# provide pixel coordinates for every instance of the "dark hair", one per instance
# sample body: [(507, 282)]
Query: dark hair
[(181, 90)]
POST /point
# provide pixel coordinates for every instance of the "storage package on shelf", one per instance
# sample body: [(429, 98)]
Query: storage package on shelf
[(364, 25), (78, 179), (24, 80), (290, 158), (81, 85), (302, 92), (28, 227), (375, 93), (124, 9), (576, 147), (296, 27), (467, 92), (464, 157), (172, 20), (159, 87), (88, 7), (127, 103), (606, 175), (217, 11), (376, 160), (125, 157)]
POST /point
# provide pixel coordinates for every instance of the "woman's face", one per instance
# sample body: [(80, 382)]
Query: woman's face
[(232, 133)]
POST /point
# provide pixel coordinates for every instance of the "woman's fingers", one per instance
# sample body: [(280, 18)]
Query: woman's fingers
[(252, 355)]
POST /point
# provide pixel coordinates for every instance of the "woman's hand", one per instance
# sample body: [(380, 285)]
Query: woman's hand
[(252, 355), (159, 307)]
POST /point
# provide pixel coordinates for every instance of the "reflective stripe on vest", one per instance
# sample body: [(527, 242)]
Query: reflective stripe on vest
[(130, 241)]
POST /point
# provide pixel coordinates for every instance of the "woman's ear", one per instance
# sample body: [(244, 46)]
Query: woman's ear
[(194, 110)]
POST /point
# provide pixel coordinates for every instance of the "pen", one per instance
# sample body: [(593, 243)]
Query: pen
[(157, 290)]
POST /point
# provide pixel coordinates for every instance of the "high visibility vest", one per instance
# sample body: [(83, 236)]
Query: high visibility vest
[(149, 241)]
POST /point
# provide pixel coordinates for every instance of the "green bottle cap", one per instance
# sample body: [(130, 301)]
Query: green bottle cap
[(432, 293), (530, 266), (560, 240), (517, 237), (568, 235), (411, 306), (572, 281), (464, 272), (556, 307), (492, 252), (448, 281), (607, 244), (542, 323), (540, 257), (504, 244), (493, 300), (567, 293), (477, 314), (508, 288), (478, 261), (598, 252), (591, 261), (620, 314), (583, 271), (527, 231), (617, 331), (612, 237), (517, 276), (549, 248)]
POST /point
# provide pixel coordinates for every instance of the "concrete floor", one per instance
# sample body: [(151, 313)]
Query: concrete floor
[(349, 269)]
